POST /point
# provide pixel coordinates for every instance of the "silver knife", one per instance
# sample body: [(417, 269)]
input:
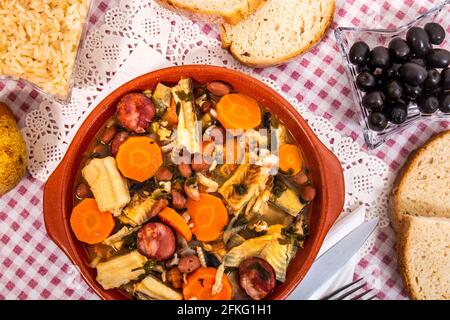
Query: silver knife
[(332, 260)]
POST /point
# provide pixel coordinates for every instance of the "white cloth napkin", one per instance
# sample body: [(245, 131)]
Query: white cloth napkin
[(145, 59)]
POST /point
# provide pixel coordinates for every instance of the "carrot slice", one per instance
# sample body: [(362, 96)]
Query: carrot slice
[(139, 158), (238, 111), (209, 216), (290, 158), (173, 219), (199, 285), (171, 114), (89, 224)]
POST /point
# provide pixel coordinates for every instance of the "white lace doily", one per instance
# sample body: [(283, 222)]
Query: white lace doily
[(50, 128)]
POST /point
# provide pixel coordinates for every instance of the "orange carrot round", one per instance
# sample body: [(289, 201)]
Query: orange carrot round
[(238, 111), (173, 219), (290, 158), (199, 285), (209, 216), (89, 224), (139, 158)]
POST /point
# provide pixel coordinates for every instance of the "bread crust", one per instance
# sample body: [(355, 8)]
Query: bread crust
[(210, 15), (260, 63), (394, 211)]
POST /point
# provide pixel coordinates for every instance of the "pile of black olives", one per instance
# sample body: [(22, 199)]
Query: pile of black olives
[(406, 71)]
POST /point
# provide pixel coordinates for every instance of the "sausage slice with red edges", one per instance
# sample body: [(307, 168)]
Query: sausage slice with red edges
[(156, 240), (256, 277), (135, 112)]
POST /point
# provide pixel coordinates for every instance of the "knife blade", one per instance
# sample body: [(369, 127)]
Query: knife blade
[(329, 263)]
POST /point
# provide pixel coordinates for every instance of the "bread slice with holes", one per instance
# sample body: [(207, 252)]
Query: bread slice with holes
[(278, 31), (217, 11), (423, 185), (424, 257)]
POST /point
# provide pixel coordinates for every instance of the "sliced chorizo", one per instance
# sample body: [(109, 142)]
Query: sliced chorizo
[(135, 112), (189, 264), (256, 277), (156, 240)]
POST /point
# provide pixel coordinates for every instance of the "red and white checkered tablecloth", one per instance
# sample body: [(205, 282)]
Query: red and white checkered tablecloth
[(32, 267)]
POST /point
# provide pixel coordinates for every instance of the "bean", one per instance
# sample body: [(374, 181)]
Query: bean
[(206, 106), (175, 278), (189, 264), (308, 193), (100, 151), (119, 138), (218, 88), (164, 174), (82, 191), (300, 178), (108, 134), (185, 170), (199, 91)]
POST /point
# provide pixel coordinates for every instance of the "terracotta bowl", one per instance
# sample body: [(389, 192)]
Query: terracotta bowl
[(325, 168)]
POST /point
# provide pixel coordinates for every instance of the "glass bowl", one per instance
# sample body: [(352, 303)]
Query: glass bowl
[(71, 81), (347, 36)]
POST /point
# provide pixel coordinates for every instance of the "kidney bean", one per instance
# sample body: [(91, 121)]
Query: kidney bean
[(200, 165), (218, 88), (108, 134), (100, 151), (300, 178), (178, 200), (189, 264), (119, 138), (199, 91), (164, 174), (157, 207), (206, 106), (175, 278), (185, 170), (308, 193), (82, 191)]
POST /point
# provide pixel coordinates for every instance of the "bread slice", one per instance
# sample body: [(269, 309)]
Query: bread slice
[(423, 186), (278, 31), (424, 257), (216, 11)]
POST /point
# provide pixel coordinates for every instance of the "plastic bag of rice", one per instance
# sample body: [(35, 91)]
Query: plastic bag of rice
[(39, 40)]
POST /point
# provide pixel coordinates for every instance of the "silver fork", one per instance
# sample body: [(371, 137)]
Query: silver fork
[(356, 288)]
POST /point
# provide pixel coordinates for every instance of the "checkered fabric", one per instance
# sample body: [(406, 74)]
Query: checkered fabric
[(32, 267)]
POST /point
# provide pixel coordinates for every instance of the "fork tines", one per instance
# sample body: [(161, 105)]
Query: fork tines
[(351, 289)]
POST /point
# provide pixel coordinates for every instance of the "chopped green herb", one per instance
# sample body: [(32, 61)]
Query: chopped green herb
[(278, 187), (240, 188), (183, 96), (129, 241), (191, 180), (178, 107)]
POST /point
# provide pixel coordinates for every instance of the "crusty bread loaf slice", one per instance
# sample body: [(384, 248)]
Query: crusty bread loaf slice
[(423, 186), (278, 31), (217, 11), (424, 257)]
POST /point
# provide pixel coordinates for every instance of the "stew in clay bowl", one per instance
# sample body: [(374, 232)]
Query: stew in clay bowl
[(194, 182)]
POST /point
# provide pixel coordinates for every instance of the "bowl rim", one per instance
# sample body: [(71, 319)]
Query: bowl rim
[(57, 190)]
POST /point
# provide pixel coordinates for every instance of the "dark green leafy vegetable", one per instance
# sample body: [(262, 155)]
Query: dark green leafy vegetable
[(278, 187), (183, 96), (129, 242), (241, 189)]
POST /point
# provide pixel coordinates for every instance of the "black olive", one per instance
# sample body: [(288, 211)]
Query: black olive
[(392, 72), (438, 58), (419, 61), (445, 79), (365, 67), (418, 41), (359, 53), (393, 90), (377, 121), (411, 92), (435, 32), (399, 50), (366, 81), (444, 102), (373, 100), (433, 79), (435, 91), (379, 58), (428, 104), (397, 113), (413, 74)]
